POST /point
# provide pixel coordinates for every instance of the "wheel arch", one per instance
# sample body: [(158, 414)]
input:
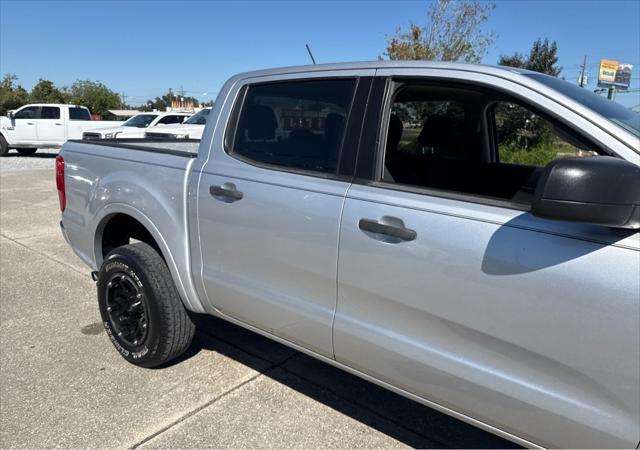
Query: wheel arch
[(117, 224)]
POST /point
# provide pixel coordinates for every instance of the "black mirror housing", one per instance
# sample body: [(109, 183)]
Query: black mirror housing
[(600, 190)]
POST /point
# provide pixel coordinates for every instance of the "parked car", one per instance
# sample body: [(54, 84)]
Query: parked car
[(44, 126), (135, 127), (190, 129), (504, 294)]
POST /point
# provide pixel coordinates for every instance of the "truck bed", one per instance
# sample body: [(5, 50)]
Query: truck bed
[(182, 147)]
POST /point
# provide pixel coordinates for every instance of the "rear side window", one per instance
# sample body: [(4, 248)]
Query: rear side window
[(50, 112), (295, 124), (76, 113)]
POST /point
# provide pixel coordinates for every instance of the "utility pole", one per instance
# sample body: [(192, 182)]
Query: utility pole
[(122, 104), (582, 80)]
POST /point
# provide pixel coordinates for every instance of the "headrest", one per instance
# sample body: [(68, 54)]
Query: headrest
[(437, 130), (334, 124), (261, 122)]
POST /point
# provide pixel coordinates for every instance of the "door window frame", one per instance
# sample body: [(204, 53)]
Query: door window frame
[(370, 163), (347, 146)]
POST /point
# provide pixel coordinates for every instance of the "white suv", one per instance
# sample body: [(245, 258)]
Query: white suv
[(190, 129)]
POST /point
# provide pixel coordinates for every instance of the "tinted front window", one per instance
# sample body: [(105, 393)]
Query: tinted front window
[(76, 113), (50, 112), (298, 125), (436, 140), (32, 112), (613, 111), (199, 118), (140, 121), (525, 138)]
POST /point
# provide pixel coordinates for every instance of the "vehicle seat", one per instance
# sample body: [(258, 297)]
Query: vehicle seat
[(400, 167), (259, 124), (448, 165)]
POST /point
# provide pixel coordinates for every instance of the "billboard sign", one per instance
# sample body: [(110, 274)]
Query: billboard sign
[(614, 74)]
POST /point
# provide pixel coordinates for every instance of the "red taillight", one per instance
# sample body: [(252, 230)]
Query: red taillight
[(62, 196)]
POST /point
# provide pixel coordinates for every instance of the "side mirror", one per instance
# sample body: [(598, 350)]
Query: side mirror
[(10, 115), (600, 190)]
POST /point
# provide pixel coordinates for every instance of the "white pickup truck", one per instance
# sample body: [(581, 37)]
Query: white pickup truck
[(135, 127), (45, 126)]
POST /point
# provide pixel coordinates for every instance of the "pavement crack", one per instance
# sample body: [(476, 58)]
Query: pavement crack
[(330, 391), (69, 266), (209, 403)]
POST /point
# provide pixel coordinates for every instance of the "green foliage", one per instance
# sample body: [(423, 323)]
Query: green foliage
[(542, 58), (12, 96), (46, 92), (518, 125), (94, 95), (523, 137), (540, 155), (453, 33)]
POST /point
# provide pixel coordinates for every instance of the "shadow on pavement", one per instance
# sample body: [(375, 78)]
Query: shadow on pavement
[(404, 420), (40, 154)]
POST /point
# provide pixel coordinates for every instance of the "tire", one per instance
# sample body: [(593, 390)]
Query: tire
[(4, 146), (141, 309), (27, 151)]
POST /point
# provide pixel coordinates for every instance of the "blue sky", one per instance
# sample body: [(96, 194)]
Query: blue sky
[(142, 48)]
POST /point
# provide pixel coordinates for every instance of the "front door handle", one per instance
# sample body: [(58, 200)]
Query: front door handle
[(391, 227), (226, 193), (59, 124)]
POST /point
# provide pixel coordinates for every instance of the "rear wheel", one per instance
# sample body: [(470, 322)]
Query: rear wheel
[(140, 307), (4, 146), (27, 151)]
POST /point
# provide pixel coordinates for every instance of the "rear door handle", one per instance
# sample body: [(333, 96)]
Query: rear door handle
[(226, 193), (388, 226)]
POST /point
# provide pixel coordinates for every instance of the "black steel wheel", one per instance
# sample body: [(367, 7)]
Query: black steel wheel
[(126, 309), (141, 309)]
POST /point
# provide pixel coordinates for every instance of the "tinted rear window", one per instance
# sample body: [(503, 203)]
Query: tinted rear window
[(50, 112), (294, 124), (76, 113)]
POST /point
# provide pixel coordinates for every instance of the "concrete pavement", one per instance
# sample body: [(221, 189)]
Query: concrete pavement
[(63, 385)]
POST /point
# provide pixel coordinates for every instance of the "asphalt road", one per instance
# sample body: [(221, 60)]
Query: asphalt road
[(63, 385)]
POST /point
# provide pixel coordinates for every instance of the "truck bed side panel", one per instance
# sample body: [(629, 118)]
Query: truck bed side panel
[(150, 187)]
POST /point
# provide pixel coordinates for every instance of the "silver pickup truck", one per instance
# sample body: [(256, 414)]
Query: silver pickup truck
[(465, 236)]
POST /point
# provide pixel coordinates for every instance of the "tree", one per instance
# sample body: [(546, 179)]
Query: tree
[(453, 33), (164, 102), (523, 134), (94, 95), (542, 58), (11, 96), (46, 92)]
